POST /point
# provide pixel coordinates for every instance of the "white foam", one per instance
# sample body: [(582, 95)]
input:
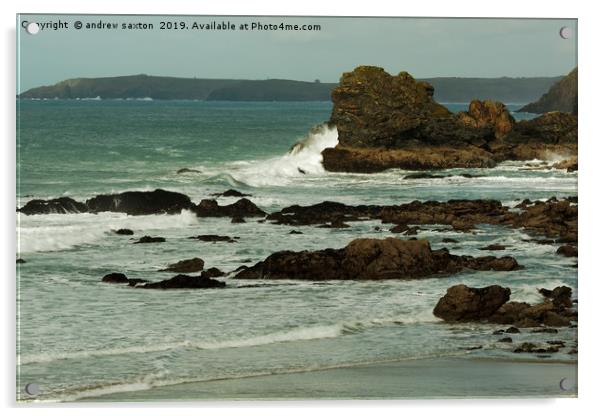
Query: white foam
[(303, 159), (55, 232)]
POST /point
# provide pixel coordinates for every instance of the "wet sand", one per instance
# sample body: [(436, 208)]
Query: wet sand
[(412, 379)]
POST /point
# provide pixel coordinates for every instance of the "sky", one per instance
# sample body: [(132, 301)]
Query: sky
[(421, 46)]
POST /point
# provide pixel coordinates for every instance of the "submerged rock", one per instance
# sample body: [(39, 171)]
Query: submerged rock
[(183, 281), (180, 281), (494, 247), (187, 170), (371, 259), (148, 239), (185, 266), (214, 238), (62, 205), (21, 261)]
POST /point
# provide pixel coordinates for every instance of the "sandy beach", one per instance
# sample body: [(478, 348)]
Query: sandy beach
[(412, 379)]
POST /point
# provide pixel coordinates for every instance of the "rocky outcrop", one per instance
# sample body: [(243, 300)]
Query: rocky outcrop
[(371, 259), (141, 203), (185, 266), (158, 201), (124, 231), (181, 281), (240, 209), (386, 121), (463, 303), (554, 218), (488, 114), (562, 96), (53, 206), (491, 304)]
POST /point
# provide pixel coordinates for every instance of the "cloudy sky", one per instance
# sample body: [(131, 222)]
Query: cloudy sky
[(423, 47)]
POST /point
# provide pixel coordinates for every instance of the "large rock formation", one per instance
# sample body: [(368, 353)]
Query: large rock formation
[(158, 201), (141, 203), (386, 121), (371, 259), (490, 304), (562, 96)]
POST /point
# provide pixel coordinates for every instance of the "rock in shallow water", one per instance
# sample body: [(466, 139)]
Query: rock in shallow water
[(490, 304), (463, 303), (148, 239), (371, 259), (183, 281), (180, 281), (185, 266)]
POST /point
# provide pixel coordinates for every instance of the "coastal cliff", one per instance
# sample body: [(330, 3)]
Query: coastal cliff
[(392, 121), (562, 96)]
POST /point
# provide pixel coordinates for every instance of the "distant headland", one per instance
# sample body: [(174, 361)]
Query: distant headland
[(447, 89)]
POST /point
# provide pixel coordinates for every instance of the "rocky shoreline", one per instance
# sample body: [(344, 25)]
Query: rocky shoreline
[(392, 121)]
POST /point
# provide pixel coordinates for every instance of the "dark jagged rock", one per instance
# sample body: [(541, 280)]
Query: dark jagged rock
[(21, 261), (463, 303), (148, 239), (562, 96), (512, 330), (490, 304), (567, 251), (183, 281), (505, 339), (295, 232), (158, 201), (62, 205), (115, 278), (240, 209), (185, 266), (124, 231), (371, 259), (238, 220), (494, 247), (324, 212), (214, 238), (212, 272), (231, 193)]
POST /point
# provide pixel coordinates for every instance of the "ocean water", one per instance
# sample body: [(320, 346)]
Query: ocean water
[(80, 338)]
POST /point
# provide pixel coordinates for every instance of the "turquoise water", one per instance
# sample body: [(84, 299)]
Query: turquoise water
[(81, 338)]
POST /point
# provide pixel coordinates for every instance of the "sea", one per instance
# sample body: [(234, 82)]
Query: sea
[(79, 338)]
